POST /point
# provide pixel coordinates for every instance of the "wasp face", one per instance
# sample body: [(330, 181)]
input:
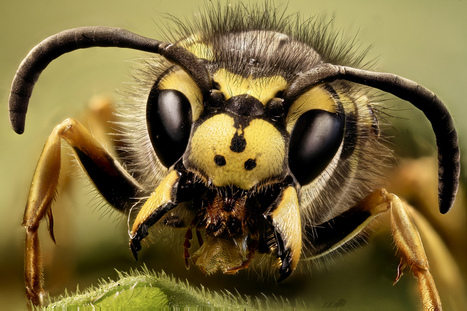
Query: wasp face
[(253, 132), (245, 146)]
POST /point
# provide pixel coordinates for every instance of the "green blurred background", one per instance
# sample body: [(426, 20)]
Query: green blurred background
[(422, 40)]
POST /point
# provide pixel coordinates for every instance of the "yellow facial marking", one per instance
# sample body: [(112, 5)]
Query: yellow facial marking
[(200, 50), (315, 98), (160, 196), (241, 157), (286, 218), (179, 80), (263, 88), (358, 103)]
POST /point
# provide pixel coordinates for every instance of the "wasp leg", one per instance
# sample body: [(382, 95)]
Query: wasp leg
[(412, 253), (330, 236), (159, 203), (444, 267), (324, 239), (284, 215), (114, 183)]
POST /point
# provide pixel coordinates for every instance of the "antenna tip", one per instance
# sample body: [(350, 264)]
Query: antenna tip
[(17, 120)]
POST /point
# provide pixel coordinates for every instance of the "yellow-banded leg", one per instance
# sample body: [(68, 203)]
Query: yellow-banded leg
[(112, 181), (405, 234), (410, 248), (445, 269), (445, 238)]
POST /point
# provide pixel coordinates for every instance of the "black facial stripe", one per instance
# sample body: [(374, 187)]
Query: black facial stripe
[(351, 135), (238, 143), (332, 92), (239, 121)]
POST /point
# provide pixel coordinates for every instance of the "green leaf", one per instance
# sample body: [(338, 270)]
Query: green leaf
[(149, 290)]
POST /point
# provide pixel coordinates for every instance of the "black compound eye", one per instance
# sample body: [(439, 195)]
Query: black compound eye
[(169, 120), (314, 141)]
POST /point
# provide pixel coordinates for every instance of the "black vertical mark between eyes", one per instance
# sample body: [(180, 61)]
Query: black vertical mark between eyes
[(238, 143)]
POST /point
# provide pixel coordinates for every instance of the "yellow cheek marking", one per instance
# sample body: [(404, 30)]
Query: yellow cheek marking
[(263, 88), (286, 218), (179, 80), (358, 104), (264, 145), (160, 196), (200, 50), (315, 98)]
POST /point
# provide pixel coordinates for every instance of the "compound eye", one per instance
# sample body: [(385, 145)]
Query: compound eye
[(314, 141), (169, 120)]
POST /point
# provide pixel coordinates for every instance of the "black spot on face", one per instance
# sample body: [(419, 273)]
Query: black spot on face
[(250, 164), (238, 143), (219, 160)]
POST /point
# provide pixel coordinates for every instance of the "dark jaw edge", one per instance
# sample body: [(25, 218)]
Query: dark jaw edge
[(135, 241), (285, 270), (143, 229), (284, 256), (284, 273)]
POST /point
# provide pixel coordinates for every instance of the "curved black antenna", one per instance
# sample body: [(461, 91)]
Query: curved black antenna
[(85, 37), (422, 98)]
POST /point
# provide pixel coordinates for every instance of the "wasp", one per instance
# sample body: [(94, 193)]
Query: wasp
[(251, 130)]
